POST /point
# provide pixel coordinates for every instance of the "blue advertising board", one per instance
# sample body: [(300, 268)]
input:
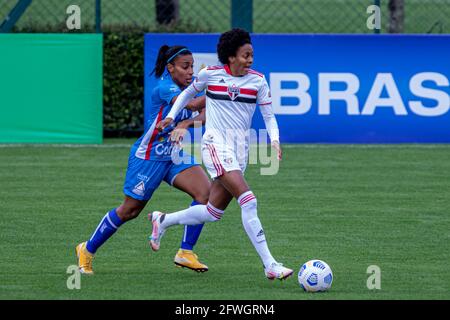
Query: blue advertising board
[(342, 88)]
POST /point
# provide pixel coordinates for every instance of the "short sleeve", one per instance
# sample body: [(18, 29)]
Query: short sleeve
[(168, 91), (264, 96)]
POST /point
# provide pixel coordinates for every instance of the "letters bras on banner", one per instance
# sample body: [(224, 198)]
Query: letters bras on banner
[(343, 88)]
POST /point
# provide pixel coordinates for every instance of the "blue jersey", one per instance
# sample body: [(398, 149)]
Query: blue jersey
[(155, 145)]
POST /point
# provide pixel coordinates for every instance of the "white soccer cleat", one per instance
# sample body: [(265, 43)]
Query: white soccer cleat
[(277, 271), (157, 231)]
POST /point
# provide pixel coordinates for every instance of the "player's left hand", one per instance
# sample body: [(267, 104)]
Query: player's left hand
[(160, 126), (277, 147), (177, 135)]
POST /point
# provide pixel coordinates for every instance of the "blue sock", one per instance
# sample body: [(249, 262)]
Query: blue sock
[(106, 228), (191, 233)]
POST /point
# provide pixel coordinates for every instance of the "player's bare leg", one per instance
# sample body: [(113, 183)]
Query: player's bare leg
[(130, 208), (199, 190), (190, 216), (234, 183), (219, 195)]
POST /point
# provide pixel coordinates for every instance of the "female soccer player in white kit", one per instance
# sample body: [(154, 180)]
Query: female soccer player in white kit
[(232, 91)]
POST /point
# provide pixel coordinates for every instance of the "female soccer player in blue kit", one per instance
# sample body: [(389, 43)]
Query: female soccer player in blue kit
[(150, 162)]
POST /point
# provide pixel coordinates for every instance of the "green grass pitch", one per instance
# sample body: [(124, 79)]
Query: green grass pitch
[(350, 205)]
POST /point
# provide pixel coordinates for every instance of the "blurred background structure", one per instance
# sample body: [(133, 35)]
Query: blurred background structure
[(262, 16), (123, 23)]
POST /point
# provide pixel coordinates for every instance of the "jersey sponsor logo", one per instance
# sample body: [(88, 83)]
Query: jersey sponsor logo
[(139, 189), (164, 149), (222, 81)]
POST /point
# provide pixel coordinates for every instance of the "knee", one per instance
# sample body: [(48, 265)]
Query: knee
[(202, 196), (127, 213), (213, 214)]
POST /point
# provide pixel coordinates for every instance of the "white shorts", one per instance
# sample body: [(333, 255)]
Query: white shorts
[(219, 158)]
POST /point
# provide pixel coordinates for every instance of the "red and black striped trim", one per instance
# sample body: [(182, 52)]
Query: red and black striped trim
[(256, 72), (249, 92), (214, 68), (215, 159), (227, 69), (215, 213), (246, 199), (228, 98)]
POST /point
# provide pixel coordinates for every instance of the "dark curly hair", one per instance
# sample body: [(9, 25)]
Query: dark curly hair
[(230, 42)]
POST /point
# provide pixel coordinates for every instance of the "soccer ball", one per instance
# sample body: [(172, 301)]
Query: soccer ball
[(315, 276)]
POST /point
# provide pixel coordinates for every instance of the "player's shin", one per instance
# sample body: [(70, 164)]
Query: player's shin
[(191, 233), (253, 227), (105, 229), (194, 215)]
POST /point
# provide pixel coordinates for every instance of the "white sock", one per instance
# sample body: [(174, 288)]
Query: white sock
[(253, 227), (193, 215)]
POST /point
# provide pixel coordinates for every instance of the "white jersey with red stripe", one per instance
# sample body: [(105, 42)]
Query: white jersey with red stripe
[(230, 105), (231, 101)]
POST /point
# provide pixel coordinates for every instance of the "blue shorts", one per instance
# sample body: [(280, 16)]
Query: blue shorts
[(143, 177)]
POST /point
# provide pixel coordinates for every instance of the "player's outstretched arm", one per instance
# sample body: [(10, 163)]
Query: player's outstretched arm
[(199, 119), (272, 127), (180, 130), (181, 101), (265, 106), (197, 104), (189, 93), (276, 145), (184, 98)]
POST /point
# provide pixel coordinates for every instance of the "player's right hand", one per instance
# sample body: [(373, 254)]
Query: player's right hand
[(160, 126), (277, 147)]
